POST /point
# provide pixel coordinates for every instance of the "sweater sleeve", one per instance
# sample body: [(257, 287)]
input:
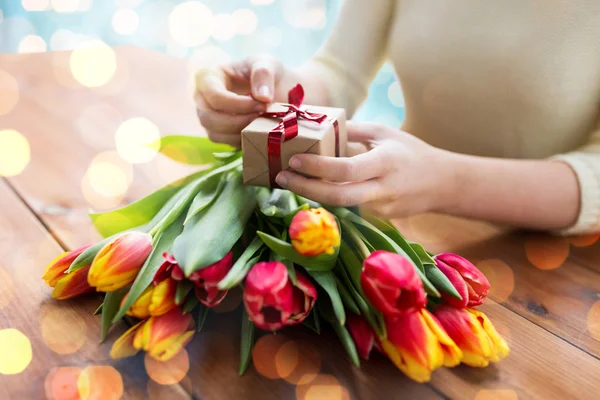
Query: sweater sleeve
[(348, 61), (585, 162)]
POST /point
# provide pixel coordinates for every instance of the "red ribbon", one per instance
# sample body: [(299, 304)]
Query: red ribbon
[(287, 129)]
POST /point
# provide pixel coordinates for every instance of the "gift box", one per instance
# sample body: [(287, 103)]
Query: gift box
[(286, 129)]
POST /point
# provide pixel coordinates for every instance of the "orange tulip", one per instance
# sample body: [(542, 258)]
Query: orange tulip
[(314, 232), (65, 285), (157, 299), (161, 337), (117, 264), (418, 345), (473, 332)]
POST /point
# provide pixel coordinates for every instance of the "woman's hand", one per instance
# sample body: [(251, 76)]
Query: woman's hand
[(399, 175), (229, 97)]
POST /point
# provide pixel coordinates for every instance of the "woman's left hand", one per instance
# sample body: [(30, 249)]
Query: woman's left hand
[(398, 176)]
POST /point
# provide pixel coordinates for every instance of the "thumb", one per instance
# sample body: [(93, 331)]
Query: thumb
[(263, 77)]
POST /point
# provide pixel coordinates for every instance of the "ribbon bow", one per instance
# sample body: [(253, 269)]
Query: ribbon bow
[(287, 129)]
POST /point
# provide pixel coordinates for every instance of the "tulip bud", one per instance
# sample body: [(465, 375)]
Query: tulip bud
[(161, 337), (157, 299), (117, 264), (391, 284), (65, 285), (304, 298), (418, 345), (268, 295), (362, 335), (169, 268), (469, 281), (474, 334), (314, 232), (206, 281)]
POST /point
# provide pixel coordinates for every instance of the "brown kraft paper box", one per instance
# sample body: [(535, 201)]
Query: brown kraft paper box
[(312, 138)]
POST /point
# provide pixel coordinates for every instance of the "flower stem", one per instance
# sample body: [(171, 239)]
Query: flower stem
[(354, 235)]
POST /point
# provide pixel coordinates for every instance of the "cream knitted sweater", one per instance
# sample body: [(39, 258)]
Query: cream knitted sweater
[(511, 78)]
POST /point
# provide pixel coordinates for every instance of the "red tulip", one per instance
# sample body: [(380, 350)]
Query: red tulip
[(474, 334), (207, 280), (169, 268), (469, 281), (67, 286), (362, 335), (417, 344), (272, 301), (391, 284)]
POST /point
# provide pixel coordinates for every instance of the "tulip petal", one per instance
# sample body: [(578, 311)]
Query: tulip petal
[(478, 285), (452, 353), (362, 334), (163, 298), (72, 285), (123, 346), (501, 348), (60, 265), (314, 232)]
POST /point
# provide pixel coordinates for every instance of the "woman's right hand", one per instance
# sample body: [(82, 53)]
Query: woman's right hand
[(230, 96)]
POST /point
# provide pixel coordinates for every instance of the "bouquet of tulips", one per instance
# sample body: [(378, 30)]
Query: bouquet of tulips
[(170, 257)]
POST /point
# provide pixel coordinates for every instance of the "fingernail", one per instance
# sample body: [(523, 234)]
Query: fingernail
[(281, 179), (295, 163), (263, 90)]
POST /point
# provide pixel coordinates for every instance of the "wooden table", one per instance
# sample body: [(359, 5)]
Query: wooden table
[(545, 298)]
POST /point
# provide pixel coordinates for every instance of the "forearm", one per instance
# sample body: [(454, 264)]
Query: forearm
[(537, 194)]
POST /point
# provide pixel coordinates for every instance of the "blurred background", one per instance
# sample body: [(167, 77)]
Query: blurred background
[(211, 30)]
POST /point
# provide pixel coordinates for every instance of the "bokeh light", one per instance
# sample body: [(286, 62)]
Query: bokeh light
[(308, 14), (501, 278), (245, 21), (224, 27), (395, 95), (128, 3), (15, 351), (137, 140), (298, 362), (593, 320), (65, 6), (9, 87), (205, 56), (584, 240), (35, 5), (95, 121), (170, 371), (264, 355), (272, 37), (15, 153), (61, 383), (176, 391), (100, 382), (93, 65), (63, 329), (107, 180), (321, 388), (125, 21), (496, 394), (32, 44), (262, 2), (545, 251), (6, 288), (191, 23), (231, 302)]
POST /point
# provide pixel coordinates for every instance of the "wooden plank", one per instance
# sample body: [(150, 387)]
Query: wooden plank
[(61, 334)]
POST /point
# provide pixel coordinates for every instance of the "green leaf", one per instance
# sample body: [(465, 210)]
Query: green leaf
[(347, 298), (347, 342), (242, 266), (441, 281), (427, 285), (351, 262), (280, 203), (327, 281), (246, 343), (183, 288), (163, 244), (88, 255), (313, 322), (206, 195), (324, 262), (190, 303), (111, 304), (99, 309), (201, 316), (422, 254), (304, 200), (140, 212), (212, 233), (190, 149), (227, 156)]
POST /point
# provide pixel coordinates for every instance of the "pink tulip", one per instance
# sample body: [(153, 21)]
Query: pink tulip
[(362, 335), (469, 281), (391, 284), (207, 279)]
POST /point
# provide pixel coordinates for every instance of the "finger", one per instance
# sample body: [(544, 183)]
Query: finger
[(211, 85), (262, 79), (226, 138), (359, 168), (355, 148), (334, 194), (217, 121), (367, 131)]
